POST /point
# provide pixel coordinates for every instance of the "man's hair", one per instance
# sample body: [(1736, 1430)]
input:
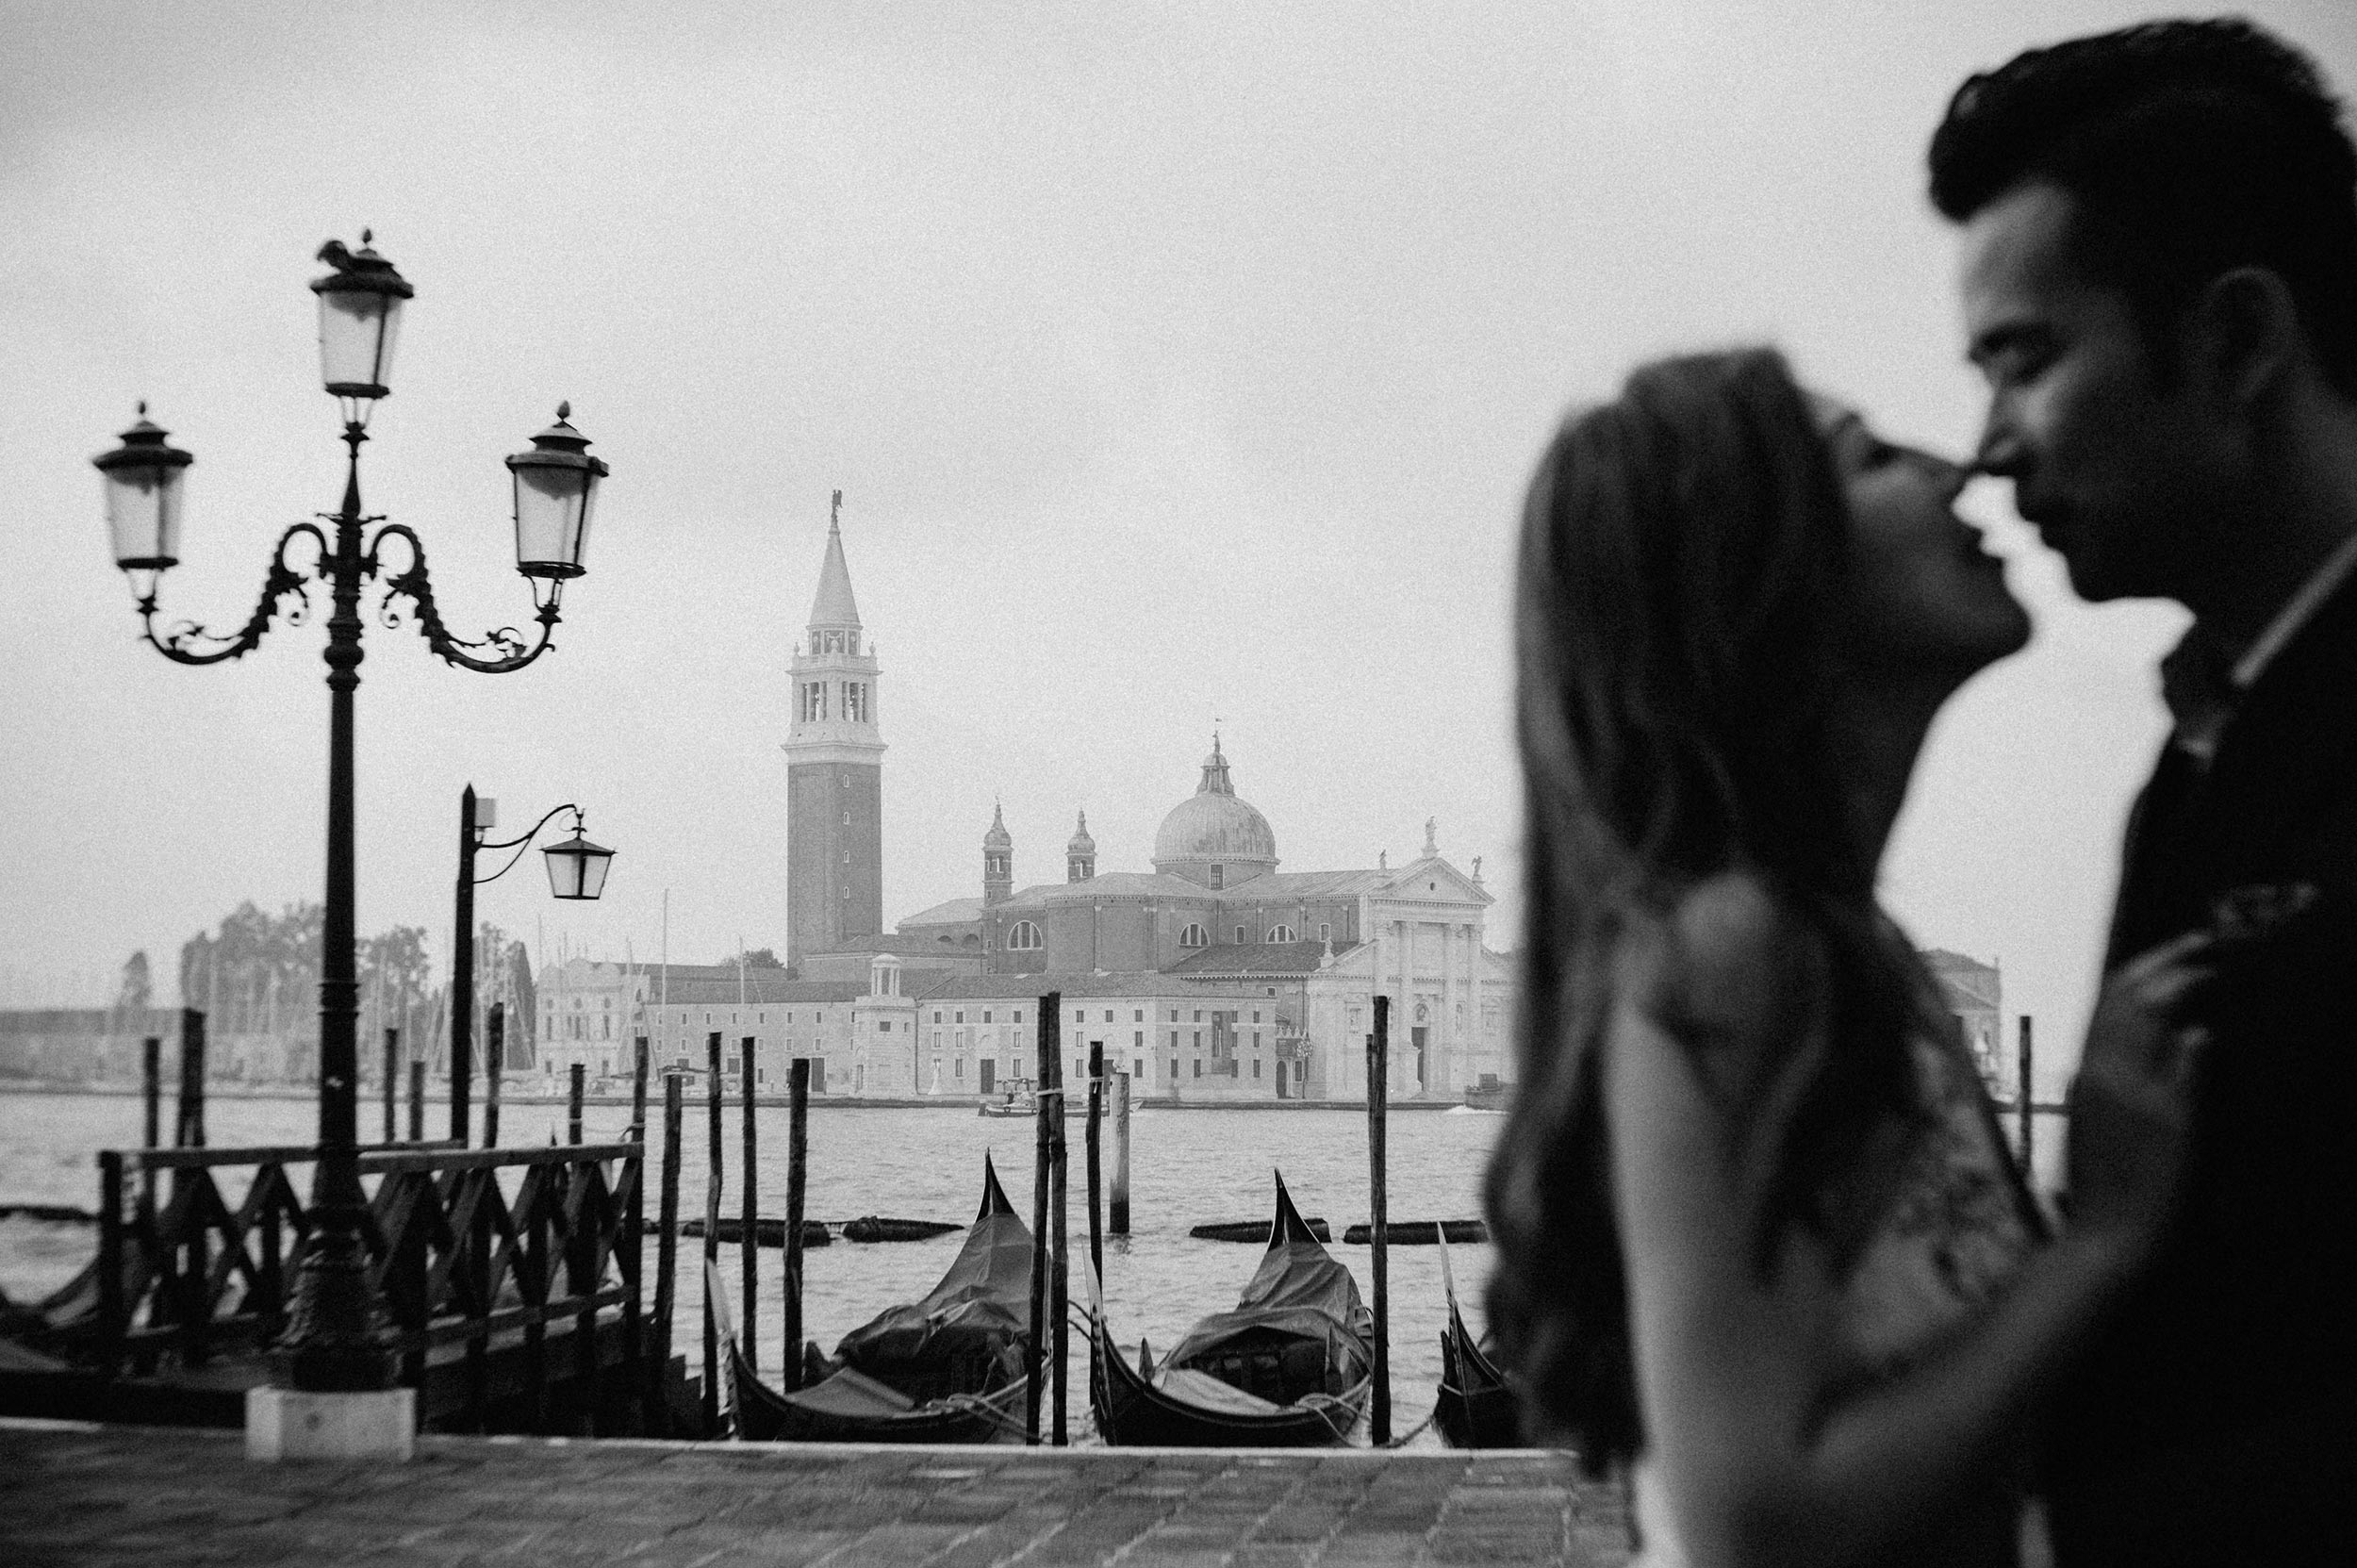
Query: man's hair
[(2189, 149)]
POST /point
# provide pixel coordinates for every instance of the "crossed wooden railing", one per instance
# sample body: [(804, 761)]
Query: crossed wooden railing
[(183, 1276)]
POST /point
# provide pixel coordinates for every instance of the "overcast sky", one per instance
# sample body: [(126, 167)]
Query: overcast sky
[(1178, 364)]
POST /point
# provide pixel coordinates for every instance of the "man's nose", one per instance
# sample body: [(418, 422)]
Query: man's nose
[(2001, 450)]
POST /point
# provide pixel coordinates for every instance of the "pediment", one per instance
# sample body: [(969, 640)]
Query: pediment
[(1433, 879)]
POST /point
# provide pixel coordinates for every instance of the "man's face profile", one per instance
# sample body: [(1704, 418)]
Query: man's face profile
[(2103, 451)]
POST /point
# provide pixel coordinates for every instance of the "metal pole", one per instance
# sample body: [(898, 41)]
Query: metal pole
[(335, 1331), (797, 1159), (462, 976), (1118, 1219), (417, 1100), (576, 1086), (1035, 1349), (712, 1233), (749, 1238), (1379, 1216)]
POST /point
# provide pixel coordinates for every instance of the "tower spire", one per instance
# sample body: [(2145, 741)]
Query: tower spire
[(833, 609)]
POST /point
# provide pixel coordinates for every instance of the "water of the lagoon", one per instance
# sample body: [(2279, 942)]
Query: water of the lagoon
[(1187, 1166)]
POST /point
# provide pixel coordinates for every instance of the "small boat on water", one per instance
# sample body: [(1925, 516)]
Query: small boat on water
[(947, 1368), (1474, 1408), (1289, 1367), (1016, 1099)]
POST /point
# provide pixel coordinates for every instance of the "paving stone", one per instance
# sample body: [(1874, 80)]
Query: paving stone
[(95, 1498)]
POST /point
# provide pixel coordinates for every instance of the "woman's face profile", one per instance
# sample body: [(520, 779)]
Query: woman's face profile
[(1921, 589)]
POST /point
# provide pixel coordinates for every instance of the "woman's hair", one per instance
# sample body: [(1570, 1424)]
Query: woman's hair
[(1678, 607)]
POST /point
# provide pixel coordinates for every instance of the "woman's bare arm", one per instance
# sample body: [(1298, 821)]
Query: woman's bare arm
[(1769, 1447)]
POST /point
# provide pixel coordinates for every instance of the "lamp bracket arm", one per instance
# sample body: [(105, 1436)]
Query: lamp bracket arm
[(521, 845), (506, 646), (281, 581)]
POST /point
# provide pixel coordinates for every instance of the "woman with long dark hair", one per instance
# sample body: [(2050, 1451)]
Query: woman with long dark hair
[(1760, 1239)]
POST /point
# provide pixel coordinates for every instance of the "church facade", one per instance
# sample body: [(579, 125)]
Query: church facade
[(1213, 974)]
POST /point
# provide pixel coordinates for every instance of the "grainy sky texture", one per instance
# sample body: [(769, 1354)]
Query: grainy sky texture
[(1178, 363)]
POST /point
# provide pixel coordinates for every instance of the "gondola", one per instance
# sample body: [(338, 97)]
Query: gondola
[(1474, 1406), (1289, 1368), (946, 1369)]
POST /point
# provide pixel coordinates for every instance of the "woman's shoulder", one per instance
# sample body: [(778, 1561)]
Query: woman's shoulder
[(1727, 958)]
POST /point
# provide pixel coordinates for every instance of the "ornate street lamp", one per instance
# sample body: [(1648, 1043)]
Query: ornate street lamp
[(335, 1335), (576, 870)]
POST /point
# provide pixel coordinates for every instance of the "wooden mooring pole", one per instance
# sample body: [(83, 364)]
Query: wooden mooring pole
[(1118, 1219), (1093, 1141), (631, 1248), (1094, 1158), (416, 1101), (749, 1237), (576, 1088), (796, 1161), (151, 1090), (1060, 1282), (658, 1410), (189, 1129), (392, 1078), (1378, 1214), (712, 1236), (151, 1122), (494, 1064), (1035, 1350), (638, 1090), (2023, 1099)]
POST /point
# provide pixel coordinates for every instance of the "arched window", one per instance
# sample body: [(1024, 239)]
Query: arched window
[(1023, 936), (1194, 936), (1280, 934)]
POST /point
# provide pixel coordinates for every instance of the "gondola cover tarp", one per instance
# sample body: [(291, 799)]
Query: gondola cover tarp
[(980, 1309), (1299, 1289)]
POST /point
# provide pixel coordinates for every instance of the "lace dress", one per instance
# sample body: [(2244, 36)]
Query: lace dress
[(1958, 1224)]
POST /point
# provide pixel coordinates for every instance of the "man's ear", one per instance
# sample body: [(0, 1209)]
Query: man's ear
[(2243, 335)]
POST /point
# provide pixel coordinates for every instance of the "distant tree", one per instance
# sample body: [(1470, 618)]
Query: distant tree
[(137, 993), (763, 958)]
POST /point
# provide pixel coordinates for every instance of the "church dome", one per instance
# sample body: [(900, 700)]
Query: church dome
[(1082, 844), (1214, 824), (997, 837)]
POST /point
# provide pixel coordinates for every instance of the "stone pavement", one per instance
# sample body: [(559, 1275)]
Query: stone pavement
[(74, 1494)]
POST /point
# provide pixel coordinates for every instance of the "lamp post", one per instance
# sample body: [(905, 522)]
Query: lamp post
[(335, 1337), (576, 870)]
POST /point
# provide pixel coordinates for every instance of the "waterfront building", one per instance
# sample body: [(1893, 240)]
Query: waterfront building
[(1215, 975), (1975, 995)]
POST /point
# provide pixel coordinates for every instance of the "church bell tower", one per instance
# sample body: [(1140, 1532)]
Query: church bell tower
[(833, 773)]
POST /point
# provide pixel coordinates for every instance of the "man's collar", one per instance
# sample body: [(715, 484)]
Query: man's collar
[(2203, 683)]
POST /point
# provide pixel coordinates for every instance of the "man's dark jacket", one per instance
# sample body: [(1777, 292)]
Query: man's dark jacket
[(2214, 1421)]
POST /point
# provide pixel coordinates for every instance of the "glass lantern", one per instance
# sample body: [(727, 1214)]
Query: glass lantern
[(359, 319), (577, 867), (556, 485), (143, 498)]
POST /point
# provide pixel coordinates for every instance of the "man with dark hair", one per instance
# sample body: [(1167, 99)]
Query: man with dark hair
[(2159, 248)]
